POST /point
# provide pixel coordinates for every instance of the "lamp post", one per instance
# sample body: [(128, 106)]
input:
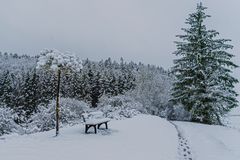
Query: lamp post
[(55, 60), (57, 101)]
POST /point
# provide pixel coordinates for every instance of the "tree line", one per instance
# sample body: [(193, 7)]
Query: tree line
[(24, 87)]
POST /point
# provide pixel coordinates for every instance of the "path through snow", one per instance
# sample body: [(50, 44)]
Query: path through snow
[(210, 142), (184, 150)]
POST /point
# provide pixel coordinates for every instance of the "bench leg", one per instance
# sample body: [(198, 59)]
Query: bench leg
[(95, 129), (86, 128), (98, 126), (106, 125), (89, 126)]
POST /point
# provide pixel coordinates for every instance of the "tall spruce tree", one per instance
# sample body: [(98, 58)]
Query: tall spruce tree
[(204, 85), (30, 93), (95, 92), (6, 93)]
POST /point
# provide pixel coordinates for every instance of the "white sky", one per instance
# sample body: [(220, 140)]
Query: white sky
[(138, 30)]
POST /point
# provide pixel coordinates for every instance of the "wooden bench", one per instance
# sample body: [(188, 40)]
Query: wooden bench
[(95, 120)]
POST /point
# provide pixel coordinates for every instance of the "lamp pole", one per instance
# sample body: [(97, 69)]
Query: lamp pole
[(57, 101)]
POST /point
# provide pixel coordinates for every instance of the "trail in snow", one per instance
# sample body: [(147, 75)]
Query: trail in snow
[(211, 142), (184, 150)]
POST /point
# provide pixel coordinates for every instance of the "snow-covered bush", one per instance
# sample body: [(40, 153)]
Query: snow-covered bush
[(44, 119), (152, 90), (120, 107), (71, 110), (7, 123), (177, 112)]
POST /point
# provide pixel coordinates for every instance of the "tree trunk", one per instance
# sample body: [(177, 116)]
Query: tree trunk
[(57, 101)]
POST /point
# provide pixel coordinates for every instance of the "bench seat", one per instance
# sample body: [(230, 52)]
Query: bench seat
[(93, 120), (96, 121)]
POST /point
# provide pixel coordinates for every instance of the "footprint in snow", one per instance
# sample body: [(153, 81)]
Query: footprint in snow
[(184, 150)]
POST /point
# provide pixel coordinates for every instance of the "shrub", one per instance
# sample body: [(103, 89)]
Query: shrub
[(120, 107), (44, 118), (7, 121)]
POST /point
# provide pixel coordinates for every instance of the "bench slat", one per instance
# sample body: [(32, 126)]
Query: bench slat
[(96, 121)]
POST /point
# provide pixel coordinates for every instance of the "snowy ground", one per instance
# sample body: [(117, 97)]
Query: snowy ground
[(141, 138), (209, 142), (233, 119)]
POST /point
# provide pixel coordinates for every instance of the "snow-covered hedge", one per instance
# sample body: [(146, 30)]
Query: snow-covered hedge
[(7, 123), (44, 119), (120, 107)]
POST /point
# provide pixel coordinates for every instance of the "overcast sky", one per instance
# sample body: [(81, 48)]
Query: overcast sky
[(137, 30)]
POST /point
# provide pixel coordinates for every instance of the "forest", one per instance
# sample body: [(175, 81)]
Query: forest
[(27, 93)]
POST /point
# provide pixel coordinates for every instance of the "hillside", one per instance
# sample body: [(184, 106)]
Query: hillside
[(139, 138)]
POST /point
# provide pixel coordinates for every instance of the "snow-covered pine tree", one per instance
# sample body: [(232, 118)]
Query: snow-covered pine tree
[(75, 88), (204, 84), (113, 88), (6, 93), (96, 91), (30, 93)]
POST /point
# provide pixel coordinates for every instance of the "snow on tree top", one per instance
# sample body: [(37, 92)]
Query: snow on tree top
[(54, 59)]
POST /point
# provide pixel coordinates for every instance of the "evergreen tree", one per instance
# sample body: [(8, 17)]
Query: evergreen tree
[(96, 92), (204, 84), (47, 86), (6, 94), (84, 92), (120, 84), (112, 89), (76, 87), (31, 93)]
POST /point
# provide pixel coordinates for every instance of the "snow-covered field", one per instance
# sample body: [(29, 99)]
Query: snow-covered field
[(140, 138), (143, 137), (233, 119), (211, 142)]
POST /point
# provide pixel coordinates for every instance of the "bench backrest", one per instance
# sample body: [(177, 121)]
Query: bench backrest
[(85, 116), (92, 115)]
